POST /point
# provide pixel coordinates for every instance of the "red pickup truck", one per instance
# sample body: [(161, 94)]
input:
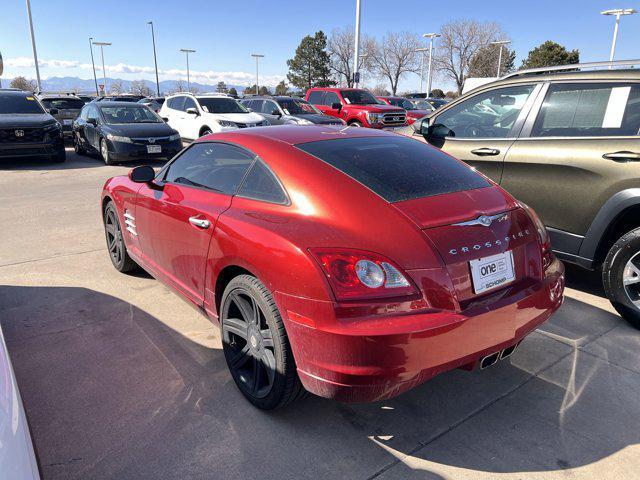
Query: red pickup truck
[(357, 107)]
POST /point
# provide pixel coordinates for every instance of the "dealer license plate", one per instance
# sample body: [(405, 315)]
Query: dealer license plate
[(154, 148), (67, 121), (491, 272)]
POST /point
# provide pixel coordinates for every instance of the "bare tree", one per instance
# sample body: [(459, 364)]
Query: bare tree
[(139, 87), (116, 87), (460, 41), (395, 55), (180, 86), (341, 51), (22, 83)]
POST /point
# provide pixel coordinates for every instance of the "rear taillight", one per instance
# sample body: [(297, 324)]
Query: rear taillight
[(543, 235), (357, 274)]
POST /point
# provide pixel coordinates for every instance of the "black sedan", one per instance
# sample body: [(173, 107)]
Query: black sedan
[(121, 131)]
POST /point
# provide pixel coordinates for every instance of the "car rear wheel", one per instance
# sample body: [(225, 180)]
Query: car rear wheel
[(115, 242), (104, 152), (77, 147), (355, 124), (621, 276), (60, 156), (206, 131), (256, 346)]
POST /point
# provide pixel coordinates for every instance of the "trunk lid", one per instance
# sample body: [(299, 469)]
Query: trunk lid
[(476, 224)]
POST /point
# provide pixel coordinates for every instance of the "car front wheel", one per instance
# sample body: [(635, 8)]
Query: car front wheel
[(115, 242), (256, 346), (104, 152), (77, 147), (621, 276)]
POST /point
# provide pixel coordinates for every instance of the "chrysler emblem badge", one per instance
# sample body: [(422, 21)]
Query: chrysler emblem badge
[(19, 133), (152, 140), (484, 220)]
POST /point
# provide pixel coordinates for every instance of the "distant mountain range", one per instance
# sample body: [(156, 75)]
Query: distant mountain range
[(69, 84)]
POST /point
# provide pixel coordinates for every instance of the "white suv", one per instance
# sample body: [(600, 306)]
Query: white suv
[(196, 115)]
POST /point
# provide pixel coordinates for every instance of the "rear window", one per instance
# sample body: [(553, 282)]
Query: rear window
[(63, 103), (397, 169)]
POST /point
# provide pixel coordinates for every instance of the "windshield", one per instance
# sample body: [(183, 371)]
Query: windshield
[(221, 105), (437, 103), (19, 104), (297, 107), (359, 97), (397, 169), (402, 103), (63, 103), (129, 114)]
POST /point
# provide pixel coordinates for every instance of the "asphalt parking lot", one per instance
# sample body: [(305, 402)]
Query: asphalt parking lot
[(122, 379)]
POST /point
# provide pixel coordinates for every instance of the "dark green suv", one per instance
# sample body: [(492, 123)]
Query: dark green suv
[(567, 143)]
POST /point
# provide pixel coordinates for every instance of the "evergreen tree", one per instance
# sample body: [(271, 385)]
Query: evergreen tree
[(281, 88), (222, 87), (550, 54), (311, 66)]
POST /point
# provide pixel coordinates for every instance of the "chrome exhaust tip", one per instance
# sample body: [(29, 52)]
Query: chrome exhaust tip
[(507, 352), (489, 360)]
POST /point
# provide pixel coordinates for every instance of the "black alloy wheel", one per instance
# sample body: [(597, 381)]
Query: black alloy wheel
[(115, 243), (256, 346)]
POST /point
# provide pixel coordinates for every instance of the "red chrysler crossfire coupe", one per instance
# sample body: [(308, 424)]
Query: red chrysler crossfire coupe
[(348, 262)]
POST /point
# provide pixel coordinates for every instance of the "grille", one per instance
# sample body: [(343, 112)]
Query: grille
[(395, 118), (29, 135), (145, 140)]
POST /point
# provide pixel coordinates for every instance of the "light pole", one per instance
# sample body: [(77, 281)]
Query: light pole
[(33, 44), (421, 52), (500, 43), (356, 61), (430, 36), (104, 72), (187, 51), (618, 12), (155, 59), (93, 64), (257, 56)]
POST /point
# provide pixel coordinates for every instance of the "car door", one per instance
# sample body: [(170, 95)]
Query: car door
[(329, 100), (481, 129), (176, 114), (189, 121), (91, 130), (579, 146), (268, 107), (176, 215)]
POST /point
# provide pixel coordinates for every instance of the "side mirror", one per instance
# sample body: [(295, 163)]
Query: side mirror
[(165, 119), (336, 106), (142, 174), (92, 121), (53, 111), (277, 113), (193, 111)]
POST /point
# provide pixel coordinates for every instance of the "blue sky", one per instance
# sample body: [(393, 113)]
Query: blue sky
[(226, 33)]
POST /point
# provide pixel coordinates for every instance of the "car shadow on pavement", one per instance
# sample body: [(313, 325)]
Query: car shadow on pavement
[(112, 392)]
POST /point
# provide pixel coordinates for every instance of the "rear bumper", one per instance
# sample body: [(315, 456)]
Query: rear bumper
[(378, 358)]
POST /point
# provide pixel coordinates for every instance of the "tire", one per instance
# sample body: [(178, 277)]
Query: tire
[(621, 276), (60, 156), (115, 242), (258, 354), (104, 153), (79, 149), (355, 124), (206, 131)]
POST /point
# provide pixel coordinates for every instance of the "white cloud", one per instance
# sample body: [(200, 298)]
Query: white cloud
[(207, 77)]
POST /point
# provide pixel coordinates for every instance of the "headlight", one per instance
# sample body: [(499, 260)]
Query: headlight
[(303, 121), (118, 138), (52, 126), (225, 123), (175, 137), (375, 117)]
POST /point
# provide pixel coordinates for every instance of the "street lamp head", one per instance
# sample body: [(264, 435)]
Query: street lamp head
[(187, 50), (620, 11), (500, 42), (150, 22), (102, 44), (257, 55), (431, 35)]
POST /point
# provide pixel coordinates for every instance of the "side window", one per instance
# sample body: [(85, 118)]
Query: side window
[(84, 112), (256, 105), (589, 110), (92, 113), (248, 103), (269, 107), (176, 103), (261, 184), (490, 114), (189, 103), (216, 166), (331, 98), (316, 97)]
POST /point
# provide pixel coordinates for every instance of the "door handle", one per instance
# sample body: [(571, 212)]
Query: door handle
[(199, 222), (485, 152), (621, 156)]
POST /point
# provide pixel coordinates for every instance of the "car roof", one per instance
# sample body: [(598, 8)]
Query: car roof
[(15, 91), (294, 134), (593, 75), (115, 103)]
